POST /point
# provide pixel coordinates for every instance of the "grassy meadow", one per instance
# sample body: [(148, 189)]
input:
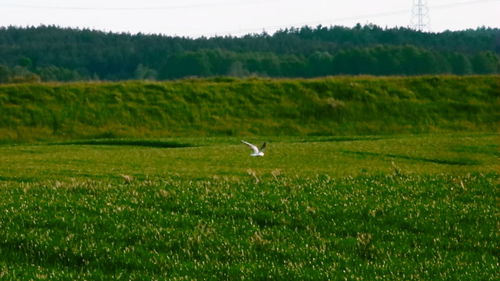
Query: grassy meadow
[(400, 207), (227, 158), (364, 178), (249, 107)]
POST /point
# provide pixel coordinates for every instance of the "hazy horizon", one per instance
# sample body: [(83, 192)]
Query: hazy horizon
[(196, 18)]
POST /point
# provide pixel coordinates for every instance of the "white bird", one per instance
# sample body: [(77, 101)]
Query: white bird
[(255, 149)]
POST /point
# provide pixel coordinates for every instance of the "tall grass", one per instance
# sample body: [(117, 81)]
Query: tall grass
[(414, 207), (230, 106), (386, 227)]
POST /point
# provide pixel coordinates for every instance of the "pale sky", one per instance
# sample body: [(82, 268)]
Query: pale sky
[(194, 18)]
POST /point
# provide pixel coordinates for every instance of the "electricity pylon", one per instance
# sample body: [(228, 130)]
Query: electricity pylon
[(420, 15)]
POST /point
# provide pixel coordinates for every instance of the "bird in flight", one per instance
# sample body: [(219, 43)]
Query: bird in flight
[(256, 151)]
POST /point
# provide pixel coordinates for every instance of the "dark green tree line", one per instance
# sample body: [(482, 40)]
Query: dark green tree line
[(50, 53)]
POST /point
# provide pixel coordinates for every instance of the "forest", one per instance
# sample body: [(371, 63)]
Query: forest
[(52, 53)]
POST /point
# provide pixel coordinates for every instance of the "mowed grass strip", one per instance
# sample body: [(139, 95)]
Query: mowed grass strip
[(454, 154), (390, 227)]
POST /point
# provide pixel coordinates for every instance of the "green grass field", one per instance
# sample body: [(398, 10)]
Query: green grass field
[(365, 178), (208, 158), (249, 107), (390, 207)]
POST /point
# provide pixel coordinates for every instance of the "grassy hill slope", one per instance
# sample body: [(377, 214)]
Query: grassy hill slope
[(255, 106)]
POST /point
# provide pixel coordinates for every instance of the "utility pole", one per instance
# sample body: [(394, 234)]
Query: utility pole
[(420, 15)]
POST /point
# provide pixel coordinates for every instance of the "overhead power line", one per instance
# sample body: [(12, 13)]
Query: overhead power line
[(358, 17), (173, 7), (238, 3), (153, 8)]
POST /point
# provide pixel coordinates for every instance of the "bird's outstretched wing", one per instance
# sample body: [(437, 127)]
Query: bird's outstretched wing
[(253, 147), (263, 147)]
